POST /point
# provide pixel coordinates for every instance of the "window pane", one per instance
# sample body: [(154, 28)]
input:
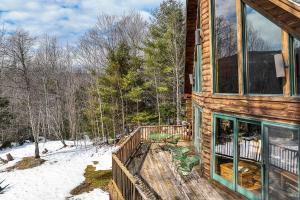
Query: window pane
[(224, 149), (283, 163), (226, 46), (197, 129), (264, 41), (249, 159), (297, 65)]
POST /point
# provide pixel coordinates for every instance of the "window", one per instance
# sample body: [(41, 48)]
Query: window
[(224, 138), (249, 157), (297, 65), (240, 152), (198, 70), (264, 41), (197, 128), (237, 155), (225, 47), (282, 162), (198, 60)]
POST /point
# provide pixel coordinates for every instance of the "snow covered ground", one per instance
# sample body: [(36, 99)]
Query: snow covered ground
[(62, 172)]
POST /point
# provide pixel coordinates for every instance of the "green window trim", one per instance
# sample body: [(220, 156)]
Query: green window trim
[(197, 115), (244, 62), (265, 151), (233, 185), (245, 56), (198, 71), (198, 60), (213, 60), (292, 66)]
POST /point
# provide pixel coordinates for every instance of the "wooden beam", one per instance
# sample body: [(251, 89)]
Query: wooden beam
[(240, 47), (285, 53)]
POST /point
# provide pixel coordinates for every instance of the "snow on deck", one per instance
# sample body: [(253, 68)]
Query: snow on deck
[(62, 172)]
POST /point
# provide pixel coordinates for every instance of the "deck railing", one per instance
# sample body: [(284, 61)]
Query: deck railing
[(124, 183)]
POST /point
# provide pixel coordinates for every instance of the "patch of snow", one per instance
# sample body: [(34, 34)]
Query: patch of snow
[(95, 194), (62, 171)]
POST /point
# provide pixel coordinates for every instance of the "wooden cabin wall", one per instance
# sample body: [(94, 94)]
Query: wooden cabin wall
[(284, 109)]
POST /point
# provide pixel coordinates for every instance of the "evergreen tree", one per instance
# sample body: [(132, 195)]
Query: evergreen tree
[(164, 58)]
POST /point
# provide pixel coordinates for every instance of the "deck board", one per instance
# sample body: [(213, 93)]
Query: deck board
[(159, 172)]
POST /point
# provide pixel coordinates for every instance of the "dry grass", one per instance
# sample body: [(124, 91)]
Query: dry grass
[(95, 162), (93, 179), (27, 163)]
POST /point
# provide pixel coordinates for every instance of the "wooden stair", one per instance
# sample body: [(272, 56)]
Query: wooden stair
[(148, 192)]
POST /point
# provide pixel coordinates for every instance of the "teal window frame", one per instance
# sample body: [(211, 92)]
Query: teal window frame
[(264, 151), (197, 108), (213, 60), (244, 52), (198, 61), (292, 67), (234, 184), (198, 70)]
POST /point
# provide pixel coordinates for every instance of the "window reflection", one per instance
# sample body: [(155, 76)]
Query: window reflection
[(297, 65), (264, 41), (224, 149), (283, 163), (249, 160), (226, 46)]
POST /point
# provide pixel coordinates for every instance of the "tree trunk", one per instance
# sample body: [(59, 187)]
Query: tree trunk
[(37, 150), (157, 100)]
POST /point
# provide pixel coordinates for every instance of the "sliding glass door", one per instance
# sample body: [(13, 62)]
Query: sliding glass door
[(237, 157), (224, 150), (282, 161), (258, 159), (249, 146)]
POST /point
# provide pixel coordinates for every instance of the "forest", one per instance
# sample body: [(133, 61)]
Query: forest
[(123, 72)]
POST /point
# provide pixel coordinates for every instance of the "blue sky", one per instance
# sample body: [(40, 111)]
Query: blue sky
[(67, 19)]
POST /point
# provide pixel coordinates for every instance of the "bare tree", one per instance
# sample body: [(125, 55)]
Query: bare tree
[(19, 50)]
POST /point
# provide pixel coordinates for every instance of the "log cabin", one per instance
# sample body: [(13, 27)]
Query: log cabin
[(242, 87), (242, 92)]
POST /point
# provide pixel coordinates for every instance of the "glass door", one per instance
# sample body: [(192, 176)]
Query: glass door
[(282, 162), (224, 151), (249, 159)]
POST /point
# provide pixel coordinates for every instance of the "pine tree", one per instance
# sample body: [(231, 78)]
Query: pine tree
[(164, 58)]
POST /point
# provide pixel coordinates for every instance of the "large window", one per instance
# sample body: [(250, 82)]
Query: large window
[(282, 160), (264, 45), (240, 152), (225, 47), (297, 65)]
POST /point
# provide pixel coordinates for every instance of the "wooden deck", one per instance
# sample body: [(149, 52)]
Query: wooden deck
[(159, 172)]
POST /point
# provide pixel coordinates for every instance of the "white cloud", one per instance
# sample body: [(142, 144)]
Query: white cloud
[(65, 18)]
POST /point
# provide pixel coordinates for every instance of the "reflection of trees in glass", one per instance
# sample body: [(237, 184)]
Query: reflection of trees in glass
[(226, 54), (262, 78), (226, 37), (255, 41)]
